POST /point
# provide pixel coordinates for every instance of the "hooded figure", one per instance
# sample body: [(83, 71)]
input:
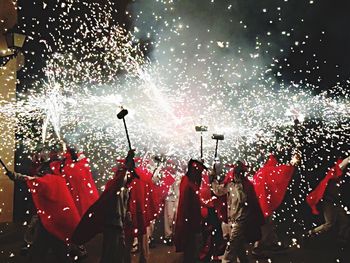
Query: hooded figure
[(76, 170), (214, 213), (110, 215), (244, 213), (188, 221), (56, 210)]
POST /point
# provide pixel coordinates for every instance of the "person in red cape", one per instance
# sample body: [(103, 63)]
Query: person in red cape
[(244, 213), (157, 190), (327, 191), (76, 171), (188, 221), (137, 205), (56, 210), (170, 207), (109, 215), (37, 160), (166, 181), (162, 180), (212, 208), (270, 183)]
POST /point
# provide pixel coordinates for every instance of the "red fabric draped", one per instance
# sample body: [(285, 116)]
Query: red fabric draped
[(138, 203), (209, 200), (188, 219), (229, 176), (317, 194), (93, 220), (137, 207), (150, 202), (214, 244), (270, 184), (147, 197), (80, 183), (166, 182), (205, 195), (220, 204), (55, 205)]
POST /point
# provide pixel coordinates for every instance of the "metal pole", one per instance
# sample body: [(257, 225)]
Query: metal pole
[(216, 148), (127, 134), (201, 145), (2, 163)]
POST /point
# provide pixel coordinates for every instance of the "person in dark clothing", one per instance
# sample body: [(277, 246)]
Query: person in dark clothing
[(244, 214), (188, 221), (113, 246), (328, 192)]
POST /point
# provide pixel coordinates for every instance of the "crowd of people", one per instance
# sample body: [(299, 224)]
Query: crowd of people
[(210, 212)]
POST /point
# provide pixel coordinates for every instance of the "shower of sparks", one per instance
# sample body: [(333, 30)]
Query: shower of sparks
[(186, 81)]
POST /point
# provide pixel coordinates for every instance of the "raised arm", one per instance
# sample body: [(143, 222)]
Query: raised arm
[(219, 189), (344, 163), (18, 176)]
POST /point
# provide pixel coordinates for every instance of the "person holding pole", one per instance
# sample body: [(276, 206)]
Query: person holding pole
[(188, 221), (244, 213)]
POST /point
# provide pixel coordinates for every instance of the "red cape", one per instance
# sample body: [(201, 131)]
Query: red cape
[(317, 194), (165, 183), (80, 183), (214, 244), (93, 220), (209, 200), (205, 193), (146, 198), (270, 184), (188, 219), (55, 205), (137, 205)]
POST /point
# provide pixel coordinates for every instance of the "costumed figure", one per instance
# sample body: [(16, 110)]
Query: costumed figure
[(75, 169), (188, 221), (37, 160), (142, 211), (270, 184), (244, 213), (327, 192), (109, 215), (77, 172), (170, 210), (56, 210), (214, 213)]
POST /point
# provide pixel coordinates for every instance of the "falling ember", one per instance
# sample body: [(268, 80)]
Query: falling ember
[(172, 70)]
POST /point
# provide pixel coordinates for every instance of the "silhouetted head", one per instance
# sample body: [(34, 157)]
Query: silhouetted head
[(73, 153), (239, 170), (44, 169), (194, 170)]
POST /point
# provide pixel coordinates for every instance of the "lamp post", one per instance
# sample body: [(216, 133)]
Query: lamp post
[(15, 41)]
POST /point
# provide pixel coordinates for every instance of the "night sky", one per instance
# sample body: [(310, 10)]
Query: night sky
[(321, 61)]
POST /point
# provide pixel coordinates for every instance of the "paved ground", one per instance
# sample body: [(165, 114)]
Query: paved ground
[(11, 238)]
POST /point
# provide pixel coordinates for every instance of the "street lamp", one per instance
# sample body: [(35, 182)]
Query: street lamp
[(15, 41)]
